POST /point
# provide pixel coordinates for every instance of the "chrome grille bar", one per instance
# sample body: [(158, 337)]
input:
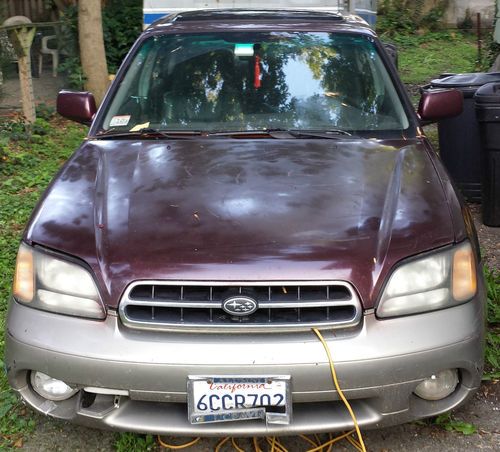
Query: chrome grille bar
[(196, 306)]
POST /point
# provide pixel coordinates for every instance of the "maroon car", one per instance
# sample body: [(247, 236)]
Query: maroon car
[(250, 176)]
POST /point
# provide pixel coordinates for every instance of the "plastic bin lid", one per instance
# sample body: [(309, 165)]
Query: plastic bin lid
[(488, 94), (469, 80)]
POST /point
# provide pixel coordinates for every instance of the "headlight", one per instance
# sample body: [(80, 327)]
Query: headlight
[(47, 282), (436, 281)]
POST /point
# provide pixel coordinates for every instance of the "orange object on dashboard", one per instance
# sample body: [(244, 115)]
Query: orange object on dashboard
[(257, 81)]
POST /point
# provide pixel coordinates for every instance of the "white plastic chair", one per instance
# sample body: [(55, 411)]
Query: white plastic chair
[(48, 51)]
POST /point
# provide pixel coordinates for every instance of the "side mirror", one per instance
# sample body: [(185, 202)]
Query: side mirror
[(77, 105), (440, 104)]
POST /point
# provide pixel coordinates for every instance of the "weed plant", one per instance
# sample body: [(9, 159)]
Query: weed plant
[(28, 161)]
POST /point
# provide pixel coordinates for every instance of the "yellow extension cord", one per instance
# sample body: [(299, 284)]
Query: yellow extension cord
[(275, 445)]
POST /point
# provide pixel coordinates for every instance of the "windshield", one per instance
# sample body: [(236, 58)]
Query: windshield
[(256, 80)]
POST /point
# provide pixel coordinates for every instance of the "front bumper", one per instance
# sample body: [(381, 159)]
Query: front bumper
[(378, 364)]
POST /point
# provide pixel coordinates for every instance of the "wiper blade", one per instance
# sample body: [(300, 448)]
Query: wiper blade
[(148, 133), (277, 133), (319, 133), (243, 133), (280, 133)]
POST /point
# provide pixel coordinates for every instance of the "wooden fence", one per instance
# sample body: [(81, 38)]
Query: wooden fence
[(36, 10)]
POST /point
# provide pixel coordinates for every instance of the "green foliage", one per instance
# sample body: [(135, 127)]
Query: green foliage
[(14, 129), (71, 64), (27, 164), (45, 112), (122, 24), (407, 17), (492, 47), (492, 50), (492, 278), (129, 442), (450, 424), (424, 57), (492, 354), (15, 421)]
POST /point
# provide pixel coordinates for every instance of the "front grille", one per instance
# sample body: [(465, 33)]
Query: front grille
[(282, 306)]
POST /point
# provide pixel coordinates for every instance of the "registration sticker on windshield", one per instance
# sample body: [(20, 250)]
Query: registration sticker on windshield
[(117, 121), (225, 398)]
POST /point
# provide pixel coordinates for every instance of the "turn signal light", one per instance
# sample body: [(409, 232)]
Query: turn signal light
[(464, 274), (24, 280)]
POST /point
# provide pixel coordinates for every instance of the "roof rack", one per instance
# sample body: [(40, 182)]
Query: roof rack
[(249, 14)]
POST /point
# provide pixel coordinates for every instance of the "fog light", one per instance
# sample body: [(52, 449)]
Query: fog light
[(438, 386), (50, 388)]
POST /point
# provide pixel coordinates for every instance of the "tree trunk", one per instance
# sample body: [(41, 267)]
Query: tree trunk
[(92, 51)]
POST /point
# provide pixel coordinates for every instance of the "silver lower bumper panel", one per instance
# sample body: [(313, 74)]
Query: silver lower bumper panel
[(379, 365)]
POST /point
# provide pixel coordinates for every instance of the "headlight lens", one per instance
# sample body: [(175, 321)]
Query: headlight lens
[(437, 281), (46, 282)]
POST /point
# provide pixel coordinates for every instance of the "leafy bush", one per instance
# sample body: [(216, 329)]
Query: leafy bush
[(407, 17), (71, 65), (492, 47), (122, 24), (44, 111)]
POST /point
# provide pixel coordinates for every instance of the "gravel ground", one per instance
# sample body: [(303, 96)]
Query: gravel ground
[(483, 411), (489, 239)]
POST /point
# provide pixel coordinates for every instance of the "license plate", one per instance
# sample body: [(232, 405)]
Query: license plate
[(222, 399)]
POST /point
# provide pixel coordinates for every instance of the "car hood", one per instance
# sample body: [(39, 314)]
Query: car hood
[(227, 209)]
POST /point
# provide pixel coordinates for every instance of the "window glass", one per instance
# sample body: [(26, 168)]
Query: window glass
[(252, 80)]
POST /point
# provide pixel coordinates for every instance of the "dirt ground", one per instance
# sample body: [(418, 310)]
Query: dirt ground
[(45, 89), (489, 238), (483, 411)]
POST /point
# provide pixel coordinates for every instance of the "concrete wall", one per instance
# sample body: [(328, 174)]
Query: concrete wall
[(456, 11)]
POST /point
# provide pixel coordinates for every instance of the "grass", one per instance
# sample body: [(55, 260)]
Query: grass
[(27, 164), (130, 442), (492, 356), (422, 58)]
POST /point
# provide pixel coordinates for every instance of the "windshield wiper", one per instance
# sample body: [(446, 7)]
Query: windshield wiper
[(319, 133), (277, 133), (280, 133), (148, 133)]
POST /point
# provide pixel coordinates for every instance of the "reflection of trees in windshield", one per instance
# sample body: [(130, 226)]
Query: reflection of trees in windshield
[(349, 76), (217, 86), (289, 80)]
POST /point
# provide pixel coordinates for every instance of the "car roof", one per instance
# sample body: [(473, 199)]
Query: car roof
[(235, 18)]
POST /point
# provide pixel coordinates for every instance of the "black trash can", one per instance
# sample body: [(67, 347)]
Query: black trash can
[(459, 140), (487, 100)]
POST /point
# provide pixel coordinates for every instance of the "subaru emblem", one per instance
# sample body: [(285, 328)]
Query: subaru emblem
[(239, 305)]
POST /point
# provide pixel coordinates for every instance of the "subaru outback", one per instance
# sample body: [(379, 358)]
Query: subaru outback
[(251, 178)]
